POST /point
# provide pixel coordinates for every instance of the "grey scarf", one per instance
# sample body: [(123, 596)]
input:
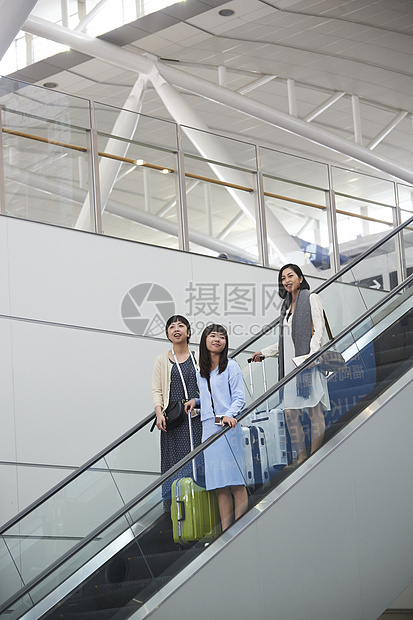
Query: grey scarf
[(301, 335)]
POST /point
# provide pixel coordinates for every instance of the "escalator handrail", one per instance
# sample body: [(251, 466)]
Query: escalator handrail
[(189, 457), (146, 421), (269, 326), (233, 354)]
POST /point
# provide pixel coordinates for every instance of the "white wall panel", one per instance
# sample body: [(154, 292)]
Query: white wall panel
[(76, 390), (77, 278), (9, 504), (7, 435), (4, 269), (28, 483)]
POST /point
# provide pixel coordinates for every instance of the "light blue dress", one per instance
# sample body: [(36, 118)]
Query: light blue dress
[(224, 459)]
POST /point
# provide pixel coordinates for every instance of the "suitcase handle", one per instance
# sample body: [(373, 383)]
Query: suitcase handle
[(261, 357), (180, 510)]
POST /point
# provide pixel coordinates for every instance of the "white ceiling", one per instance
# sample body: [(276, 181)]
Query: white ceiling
[(362, 47), (314, 47)]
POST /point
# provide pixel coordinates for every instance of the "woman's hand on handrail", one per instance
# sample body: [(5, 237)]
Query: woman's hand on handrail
[(189, 405), (229, 421)]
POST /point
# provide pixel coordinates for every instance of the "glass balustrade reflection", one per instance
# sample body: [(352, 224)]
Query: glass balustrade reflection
[(59, 523), (45, 141), (10, 578)]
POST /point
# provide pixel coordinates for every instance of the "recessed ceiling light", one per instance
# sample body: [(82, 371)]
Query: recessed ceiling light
[(50, 84), (226, 12)]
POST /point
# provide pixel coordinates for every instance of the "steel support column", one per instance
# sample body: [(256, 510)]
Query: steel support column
[(125, 127), (12, 20)]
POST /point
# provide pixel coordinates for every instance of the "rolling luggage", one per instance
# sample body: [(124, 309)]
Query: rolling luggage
[(272, 422), (274, 427), (256, 471), (194, 510)]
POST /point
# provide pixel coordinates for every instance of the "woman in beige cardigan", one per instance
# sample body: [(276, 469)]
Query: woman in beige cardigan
[(167, 388)]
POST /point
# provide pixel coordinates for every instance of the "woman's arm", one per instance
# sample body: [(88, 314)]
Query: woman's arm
[(237, 390), (157, 396), (317, 318), (271, 350)]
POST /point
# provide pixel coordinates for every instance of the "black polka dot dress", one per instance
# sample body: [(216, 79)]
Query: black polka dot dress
[(175, 443)]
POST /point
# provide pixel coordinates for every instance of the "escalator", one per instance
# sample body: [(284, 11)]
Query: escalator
[(100, 544)]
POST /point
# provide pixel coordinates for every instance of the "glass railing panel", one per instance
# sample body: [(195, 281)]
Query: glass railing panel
[(216, 149), (10, 579), (359, 227), (297, 234), (377, 271), (299, 170), (296, 211), (138, 176), (258, 377), (407, 249), (151, 554), (45, 138), (18, 609), (33, 103), (361, 287), (220, 195), (62, 521), (74, 511), (135, 127), (345, 300), (143, 202), (220, 216), (120, 528), (405, 201), (135, 464), (363, 186)]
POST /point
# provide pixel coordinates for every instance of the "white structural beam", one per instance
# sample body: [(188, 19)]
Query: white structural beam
[(64, 9), (355, 105), (228, 228), (324, 106), (211, 149), (292, 97), (130, 60), (124, 127), (89, 16), (222, 76), (387, 130), (256, 84), (172, 203), (11, 21)]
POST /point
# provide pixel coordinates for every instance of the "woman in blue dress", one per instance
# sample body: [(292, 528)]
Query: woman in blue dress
[(222, 396)]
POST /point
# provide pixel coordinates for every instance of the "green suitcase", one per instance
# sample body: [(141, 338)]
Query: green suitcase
[(194, 512)]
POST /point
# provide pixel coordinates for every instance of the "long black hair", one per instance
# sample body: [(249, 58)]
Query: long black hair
[(178, 318), (205, 355), (304, 284)]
